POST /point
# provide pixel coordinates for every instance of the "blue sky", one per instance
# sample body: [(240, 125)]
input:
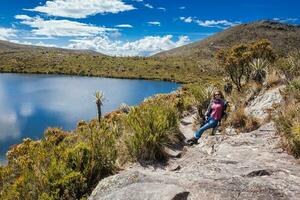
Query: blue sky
[(131, 27)]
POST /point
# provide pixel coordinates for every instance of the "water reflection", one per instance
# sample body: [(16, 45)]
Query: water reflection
[(31, 103)]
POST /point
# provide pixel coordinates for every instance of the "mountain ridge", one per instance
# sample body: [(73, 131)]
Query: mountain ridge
[(8, 46), (284, 38)]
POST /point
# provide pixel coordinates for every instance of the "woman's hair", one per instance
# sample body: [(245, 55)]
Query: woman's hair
[(217, 91)]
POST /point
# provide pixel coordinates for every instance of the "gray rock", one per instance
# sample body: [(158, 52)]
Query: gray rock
[(258, 107), (133, 185), (148, 191), (173, 153), (243, 166)]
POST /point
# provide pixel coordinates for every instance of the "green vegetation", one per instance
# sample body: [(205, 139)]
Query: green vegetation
[(241, 122), (99, 98), (259, 67), (68, 165), (289, 65), (288, 119), (48, 61), (287, 70), (238, 61), (151, 127), (61, 165)]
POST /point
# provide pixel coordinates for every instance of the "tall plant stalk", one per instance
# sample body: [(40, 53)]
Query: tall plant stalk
[(99, 98)]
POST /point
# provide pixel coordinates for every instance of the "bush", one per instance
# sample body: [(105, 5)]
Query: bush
[(61, 165), (197, 95), (240, 121), (292, 90), (289, 66), (273, 78), (150, 128), (288, 125), (236, 59)]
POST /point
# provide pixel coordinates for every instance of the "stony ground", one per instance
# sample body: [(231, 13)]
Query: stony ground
[(236, 166)]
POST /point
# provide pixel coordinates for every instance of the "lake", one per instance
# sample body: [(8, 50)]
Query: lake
[(31, 103)]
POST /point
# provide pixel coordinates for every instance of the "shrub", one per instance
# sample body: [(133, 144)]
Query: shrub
[(150, 128), (273, 78), (197, 95), (289, 66), (236, 59), (292, 90), (237, 119), (240, 121), (61, 165), (251, 124), (288, 123)]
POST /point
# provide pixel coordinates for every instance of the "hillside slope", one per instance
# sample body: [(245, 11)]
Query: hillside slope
[(284, 38), (16, 58)]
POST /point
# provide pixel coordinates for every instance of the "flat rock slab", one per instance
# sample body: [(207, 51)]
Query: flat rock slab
[(147, 191), (133, 185)]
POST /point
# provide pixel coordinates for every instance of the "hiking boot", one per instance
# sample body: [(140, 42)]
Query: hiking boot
[(192, 141)]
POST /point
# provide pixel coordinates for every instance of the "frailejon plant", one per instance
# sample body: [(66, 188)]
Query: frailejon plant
[(258, 68), (99, 98)]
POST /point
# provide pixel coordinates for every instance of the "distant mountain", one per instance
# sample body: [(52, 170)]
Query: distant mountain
[(284, 37), (9, 47)]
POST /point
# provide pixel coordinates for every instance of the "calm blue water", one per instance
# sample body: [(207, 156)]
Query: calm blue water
[(31, 103)]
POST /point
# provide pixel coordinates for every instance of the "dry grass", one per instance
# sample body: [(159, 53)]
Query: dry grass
[(273, 79), (241, 122), (288, 125)]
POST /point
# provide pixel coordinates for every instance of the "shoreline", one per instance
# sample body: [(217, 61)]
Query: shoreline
[(97, 76), (3, 159)]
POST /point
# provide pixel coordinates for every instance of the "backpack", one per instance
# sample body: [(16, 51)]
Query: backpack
[(224, 113)]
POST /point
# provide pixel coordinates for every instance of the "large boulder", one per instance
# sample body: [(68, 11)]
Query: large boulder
[(133, 185), (260, 105)]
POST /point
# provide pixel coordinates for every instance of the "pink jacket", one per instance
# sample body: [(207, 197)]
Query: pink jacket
[(216, 109)]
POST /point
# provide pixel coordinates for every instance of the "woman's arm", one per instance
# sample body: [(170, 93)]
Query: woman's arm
[(209, 110)]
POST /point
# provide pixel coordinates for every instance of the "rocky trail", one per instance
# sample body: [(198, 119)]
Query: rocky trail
[(231, 166)]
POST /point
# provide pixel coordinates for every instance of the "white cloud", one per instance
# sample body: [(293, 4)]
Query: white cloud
[(34, 44), (82, 8), (148, 5), (154, 23), (162, 8), (124, 26), (209, 23), (61, 28), (147, 46), (186, 19), (182, 7), (26, 109), (37, 38), (6, 33), (286, 20)]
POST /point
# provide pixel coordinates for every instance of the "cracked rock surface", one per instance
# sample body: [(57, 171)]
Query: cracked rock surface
[(243, 166)]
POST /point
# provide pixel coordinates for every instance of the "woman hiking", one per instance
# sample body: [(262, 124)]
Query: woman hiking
[(213, 115)]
